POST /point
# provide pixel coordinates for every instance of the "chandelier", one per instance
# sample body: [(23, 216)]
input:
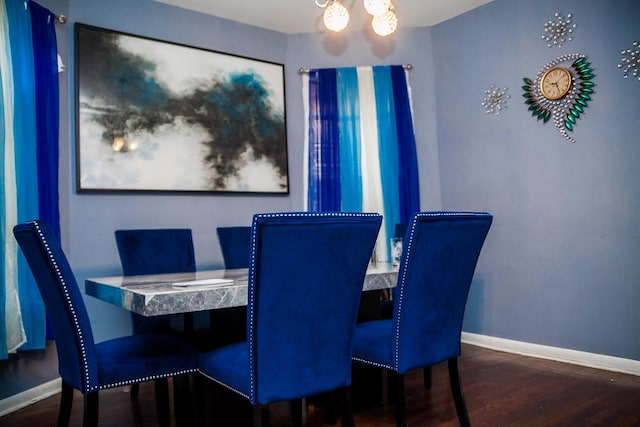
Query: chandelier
[(384, 21)]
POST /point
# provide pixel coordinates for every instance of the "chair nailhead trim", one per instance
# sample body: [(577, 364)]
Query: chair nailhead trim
[(146, 378), (314, 214), (65, 289), (235, 390), (376, 364)]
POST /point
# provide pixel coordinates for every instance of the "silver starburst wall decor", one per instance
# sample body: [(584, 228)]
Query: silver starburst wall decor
[(630, 62), (559, 31), (495, 100)]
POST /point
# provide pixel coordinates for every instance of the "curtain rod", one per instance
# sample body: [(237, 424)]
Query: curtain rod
[(60, 19), (306, 70)]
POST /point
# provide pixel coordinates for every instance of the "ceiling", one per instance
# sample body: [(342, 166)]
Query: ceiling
[(303, 16)]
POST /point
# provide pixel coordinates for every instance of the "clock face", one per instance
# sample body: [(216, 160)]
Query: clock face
[(555, 83)]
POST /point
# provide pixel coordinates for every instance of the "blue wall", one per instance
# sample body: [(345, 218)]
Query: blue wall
[(560, 264)]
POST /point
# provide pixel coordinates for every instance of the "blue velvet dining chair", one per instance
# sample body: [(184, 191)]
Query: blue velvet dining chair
[(83, 364), (436, 270), (386, 306), (154, 251), (234, 243), (306, 275)]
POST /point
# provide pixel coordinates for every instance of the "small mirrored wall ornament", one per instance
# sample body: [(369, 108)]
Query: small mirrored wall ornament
[(495, 100), (561, 92), (560, 31), (630, 62)]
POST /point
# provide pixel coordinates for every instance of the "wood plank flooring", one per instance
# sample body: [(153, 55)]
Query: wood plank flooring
[(500, 390)]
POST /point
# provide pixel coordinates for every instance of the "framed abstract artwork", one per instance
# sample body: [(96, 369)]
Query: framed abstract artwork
[(154, 116)]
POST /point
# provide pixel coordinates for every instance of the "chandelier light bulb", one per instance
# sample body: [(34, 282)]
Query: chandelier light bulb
[(336, 16), (385, 24), (377, 7), (117, 144)]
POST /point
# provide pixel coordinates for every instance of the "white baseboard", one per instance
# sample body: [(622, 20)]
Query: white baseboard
[(582, 358), (27, 397)]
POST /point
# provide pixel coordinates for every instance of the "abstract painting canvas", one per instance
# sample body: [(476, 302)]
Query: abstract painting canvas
[(160, 116)]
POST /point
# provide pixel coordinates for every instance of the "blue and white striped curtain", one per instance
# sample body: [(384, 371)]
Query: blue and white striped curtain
[(361, 146), (29, 124)]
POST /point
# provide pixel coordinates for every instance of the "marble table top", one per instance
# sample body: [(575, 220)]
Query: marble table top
[(158, 294)]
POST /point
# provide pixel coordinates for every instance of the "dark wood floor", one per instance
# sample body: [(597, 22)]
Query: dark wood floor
[(500, 389)]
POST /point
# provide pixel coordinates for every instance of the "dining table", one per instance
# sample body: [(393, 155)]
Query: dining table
[(205, 290)]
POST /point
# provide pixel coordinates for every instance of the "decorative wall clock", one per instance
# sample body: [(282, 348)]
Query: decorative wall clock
[(561, 92)]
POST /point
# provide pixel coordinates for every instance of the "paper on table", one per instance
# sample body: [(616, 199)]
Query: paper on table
[(203, 282)]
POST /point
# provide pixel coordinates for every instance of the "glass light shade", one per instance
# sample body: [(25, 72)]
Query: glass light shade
[(385, 24), (377, 7), (336, 16)]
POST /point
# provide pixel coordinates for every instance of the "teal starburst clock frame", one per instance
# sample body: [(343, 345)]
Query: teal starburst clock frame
[(564, 103)]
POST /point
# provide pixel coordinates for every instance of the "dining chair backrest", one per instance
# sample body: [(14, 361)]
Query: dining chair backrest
[(305, 281), (234, 243), (155, 251), (63, 303), (434, 278)]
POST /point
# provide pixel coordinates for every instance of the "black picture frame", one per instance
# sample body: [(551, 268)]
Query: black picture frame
[(158, 116)]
